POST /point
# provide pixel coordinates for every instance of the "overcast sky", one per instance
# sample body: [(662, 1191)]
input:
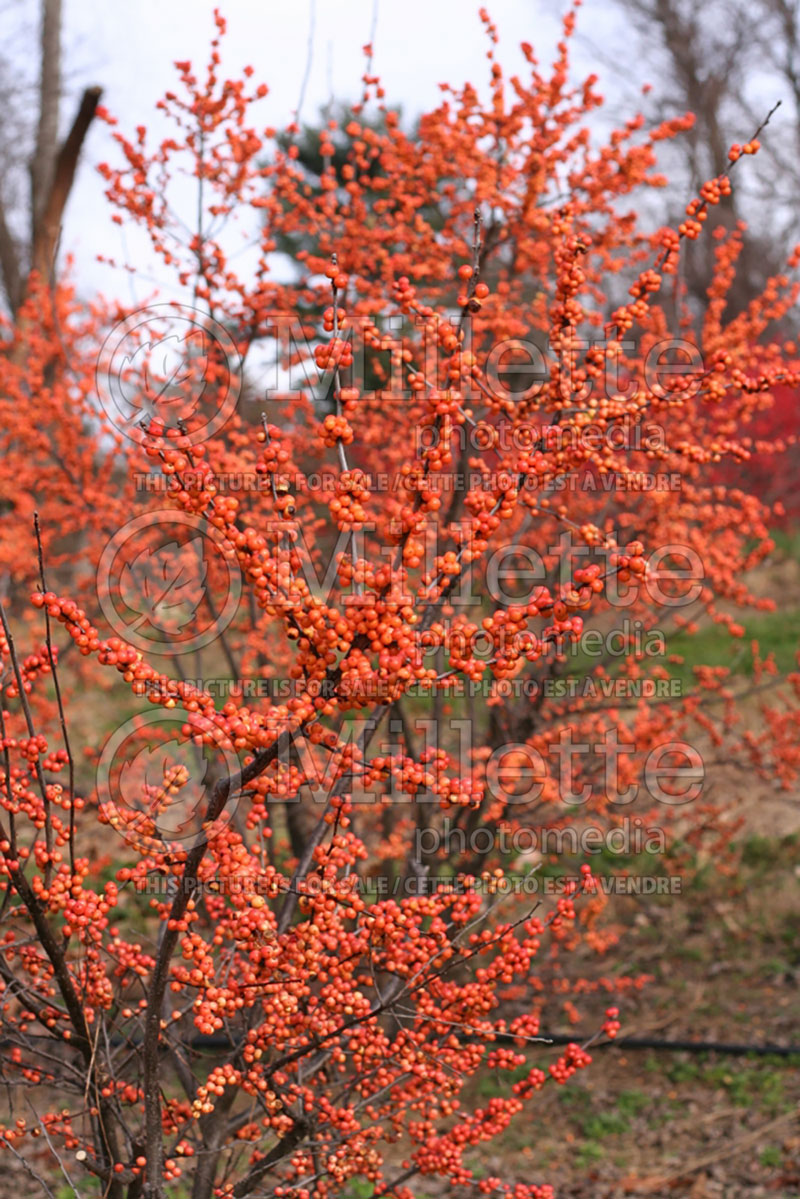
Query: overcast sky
[(129, 50)]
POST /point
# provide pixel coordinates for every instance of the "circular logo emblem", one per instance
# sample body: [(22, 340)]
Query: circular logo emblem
[(171, 364), (154, 786), (168, 582)]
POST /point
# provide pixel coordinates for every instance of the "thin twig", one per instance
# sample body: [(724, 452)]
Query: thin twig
[(61, 714), (312, 21)]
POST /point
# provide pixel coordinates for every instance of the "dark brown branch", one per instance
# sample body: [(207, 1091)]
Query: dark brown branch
[(10, 264), (48, 229), (54, 949), (284, 1147), (59, 700), (44, 154), (304, 865), (224, 788)]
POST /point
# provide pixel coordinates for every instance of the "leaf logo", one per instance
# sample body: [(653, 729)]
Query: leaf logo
[(160, 362), (164, 799), (166, 376), (153, 576), (165, 585), (154, 786)]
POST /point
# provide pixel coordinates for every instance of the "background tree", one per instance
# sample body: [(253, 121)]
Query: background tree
[(727, 64), (51, 164)]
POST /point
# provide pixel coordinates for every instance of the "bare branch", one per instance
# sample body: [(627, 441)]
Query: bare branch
[(48, 229), (44, 155)]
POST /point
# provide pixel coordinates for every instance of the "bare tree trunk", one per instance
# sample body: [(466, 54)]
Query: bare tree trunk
[(705, 58), (44, 154), (48, 231), (52, 170), (10, 269)]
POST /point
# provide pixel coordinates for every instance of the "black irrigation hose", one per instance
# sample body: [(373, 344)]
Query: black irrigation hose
[(212, 1041), (731, 1048)]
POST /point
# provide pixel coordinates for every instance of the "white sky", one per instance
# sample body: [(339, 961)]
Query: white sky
[(129, 50)]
